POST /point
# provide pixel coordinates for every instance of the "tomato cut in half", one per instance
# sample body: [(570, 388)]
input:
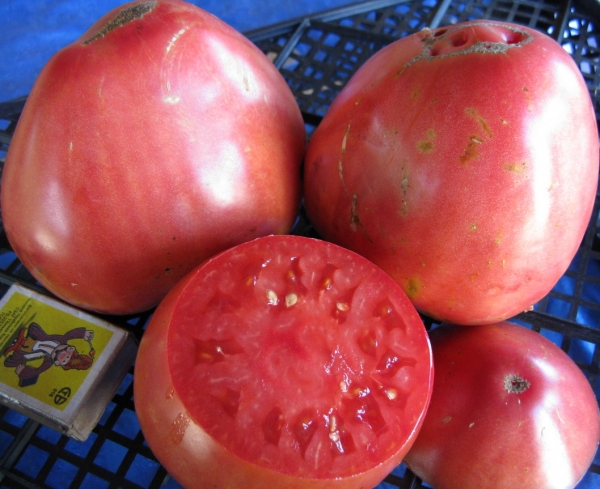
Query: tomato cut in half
[(283, 362)]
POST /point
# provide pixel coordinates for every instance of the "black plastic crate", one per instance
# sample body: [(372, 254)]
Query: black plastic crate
[(317, 55)]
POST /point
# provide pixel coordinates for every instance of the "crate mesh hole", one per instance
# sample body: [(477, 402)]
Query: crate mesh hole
[(588, 316), (593, 267), (566, 285), (591, 292), (107, 413), (554, 336), (61, 475), (142, 471), (81, 448), (92, 481), (5, 440), (31, 461), (127, 424), (14, 418), (47, 434), (331, 40), (582, 351), (110, 456), (302, 49), (558, 307)]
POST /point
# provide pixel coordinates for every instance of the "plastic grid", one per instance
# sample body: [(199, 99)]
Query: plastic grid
[(317, 55)]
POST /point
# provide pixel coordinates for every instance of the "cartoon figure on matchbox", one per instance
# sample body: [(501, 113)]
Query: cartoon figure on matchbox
[(33, 343)]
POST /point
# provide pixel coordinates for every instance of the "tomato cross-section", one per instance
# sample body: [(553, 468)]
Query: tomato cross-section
[(283, 362)]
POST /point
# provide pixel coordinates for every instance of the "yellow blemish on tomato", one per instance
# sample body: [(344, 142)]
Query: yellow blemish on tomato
[(470, 152), (515, 167), (345, 139), (426, 145), (480, 120), (342, 151), (413, 287), (405, 185)]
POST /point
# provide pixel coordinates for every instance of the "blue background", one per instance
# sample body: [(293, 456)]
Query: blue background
[(33, 30)]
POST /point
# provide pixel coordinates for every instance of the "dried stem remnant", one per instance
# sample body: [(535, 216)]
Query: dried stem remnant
[(515, 384), (124, 17)]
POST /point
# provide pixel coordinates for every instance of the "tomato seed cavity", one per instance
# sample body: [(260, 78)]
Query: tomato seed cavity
[(272, 426), (304, 428), (390, 363), (388, 315)]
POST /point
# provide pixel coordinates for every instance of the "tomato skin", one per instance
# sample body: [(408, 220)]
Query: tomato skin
[(479, 435), (172, 426), (468, 175), (143, 150)]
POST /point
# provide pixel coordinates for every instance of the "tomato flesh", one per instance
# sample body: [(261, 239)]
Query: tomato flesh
[(298, 357)]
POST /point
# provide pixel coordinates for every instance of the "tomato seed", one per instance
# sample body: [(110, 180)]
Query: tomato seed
[(272, 297), (332, 424), (391, 394)]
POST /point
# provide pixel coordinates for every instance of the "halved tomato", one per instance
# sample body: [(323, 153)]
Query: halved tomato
[(284, 362)]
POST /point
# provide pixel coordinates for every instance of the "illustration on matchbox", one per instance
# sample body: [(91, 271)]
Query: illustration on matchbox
[(34, 343), (47, 353)]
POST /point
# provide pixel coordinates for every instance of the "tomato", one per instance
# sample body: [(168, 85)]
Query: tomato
[(464, 162), (159, 138), (284, 362), (509, 409)]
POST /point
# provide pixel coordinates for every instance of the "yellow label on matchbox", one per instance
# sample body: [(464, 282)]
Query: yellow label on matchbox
[(59, 365)]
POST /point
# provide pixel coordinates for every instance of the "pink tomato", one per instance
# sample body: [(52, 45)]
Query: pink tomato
[(464, 162), (159, 138)]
